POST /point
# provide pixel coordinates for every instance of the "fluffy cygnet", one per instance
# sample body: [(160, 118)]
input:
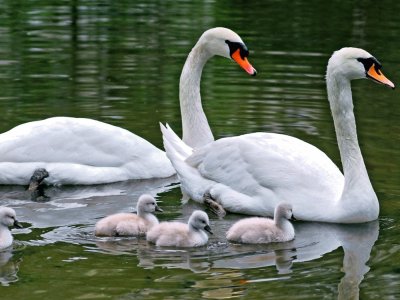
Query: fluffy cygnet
[(7, 219), (129, 224), (179, 234), (264, 230)]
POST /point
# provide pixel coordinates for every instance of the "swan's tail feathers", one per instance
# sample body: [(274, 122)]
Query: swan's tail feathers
[(173, 144), (177, 151)]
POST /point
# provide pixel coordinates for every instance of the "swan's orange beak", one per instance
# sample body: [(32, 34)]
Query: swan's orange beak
[(244, 63), (378, 76)]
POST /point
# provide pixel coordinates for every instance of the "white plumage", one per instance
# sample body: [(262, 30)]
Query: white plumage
[(177, 234), (7, 219), (257, 230), (252, 173), (78, 151), (219, 41), (85, 151), (129, 224)]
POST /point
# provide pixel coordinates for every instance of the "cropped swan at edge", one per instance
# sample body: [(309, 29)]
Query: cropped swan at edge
[(7, 219), (86, 151), (252, 173)]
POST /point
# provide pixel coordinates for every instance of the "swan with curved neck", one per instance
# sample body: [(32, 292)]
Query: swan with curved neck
[(251, 173), (85, 151), (216, 41)]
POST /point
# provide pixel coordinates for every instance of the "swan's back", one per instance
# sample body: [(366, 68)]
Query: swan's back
[(78, 151), (263, 162)]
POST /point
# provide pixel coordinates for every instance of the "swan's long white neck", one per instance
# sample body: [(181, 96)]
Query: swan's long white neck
[(195, 128), (357, 189)]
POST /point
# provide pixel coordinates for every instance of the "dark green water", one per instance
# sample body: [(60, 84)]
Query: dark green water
[(119, 62)]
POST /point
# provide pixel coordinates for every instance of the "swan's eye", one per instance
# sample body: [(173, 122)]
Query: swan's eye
[(234, 46)]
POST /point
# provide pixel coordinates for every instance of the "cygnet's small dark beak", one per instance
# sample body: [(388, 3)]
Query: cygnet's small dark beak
[(293, 218), (17, 224), (208, 229), (158, 209)]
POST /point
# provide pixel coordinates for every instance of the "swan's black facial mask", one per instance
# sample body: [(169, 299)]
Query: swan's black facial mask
[(239, 53), (368, 62), (373, 71), (234, 46)]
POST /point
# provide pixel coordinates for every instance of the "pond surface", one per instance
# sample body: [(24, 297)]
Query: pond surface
[(119, 62)]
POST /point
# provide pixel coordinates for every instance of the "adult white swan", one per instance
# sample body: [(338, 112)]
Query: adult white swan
[(78, 151), (216, 41), (251, 173), (84, 151)]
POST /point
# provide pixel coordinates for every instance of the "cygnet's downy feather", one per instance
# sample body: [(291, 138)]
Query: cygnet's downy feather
[(177, 234), (257, 230), (129, 224), (7, 219)]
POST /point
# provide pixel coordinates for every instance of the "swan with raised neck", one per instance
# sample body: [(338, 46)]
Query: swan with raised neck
[(216, 41), (252, 173), (345, 65)]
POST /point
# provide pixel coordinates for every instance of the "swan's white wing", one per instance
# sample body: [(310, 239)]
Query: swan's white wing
[(78, 151), (272, 167)]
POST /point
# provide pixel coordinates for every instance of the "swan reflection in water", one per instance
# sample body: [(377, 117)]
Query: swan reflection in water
[(312, 241), (226, 260)]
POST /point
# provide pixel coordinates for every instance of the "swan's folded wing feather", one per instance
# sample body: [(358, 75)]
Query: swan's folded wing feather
[(252, 162), (77, 140)]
